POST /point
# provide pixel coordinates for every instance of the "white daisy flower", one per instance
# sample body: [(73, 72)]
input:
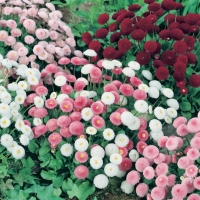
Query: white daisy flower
[(92, 94), (84, 93), (156, 135), (96, 162), (10, 148), (6, 140), (60, 80), (24, 140), (127, 71), (141, 106), (121, 140), (18, 152), (86, 69), (144, 87), (37, 121), (173, 103), (167, 92), (91, 130), (108, 64), (90, 53), (32, 80), (19, 124), (86, 113), (4, 109), (155, 125), (120, 173), (61, 97), (107, 98), (117, 63), (14, 105), (3, 89), (127, 187), (22, 85), (97, 151), (127, 118), (39, 102), (108, 134), (147, 74), (111, 148), (160, 112), (133, 155), (135, 125), (19, 99), (111, 169), (155, 84), (30, 72), (116, 158), (81, 144), (100, 181), (172, 112), (5, 97), (26, 130), (134, 65), (168, 119), (21, 92), (153, 92), (83, 79), (5, 122), (53, 95), (6, 63), (66, 150)]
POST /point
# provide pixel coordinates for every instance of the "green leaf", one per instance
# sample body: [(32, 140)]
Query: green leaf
[(57, 192), (43, 150), (33, 147), (58, 181), (48, 175), (86, 189), (45, 194), (185, 106), (67, 185)]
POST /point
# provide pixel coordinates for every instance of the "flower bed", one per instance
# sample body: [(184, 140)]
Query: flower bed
[(69, 135)]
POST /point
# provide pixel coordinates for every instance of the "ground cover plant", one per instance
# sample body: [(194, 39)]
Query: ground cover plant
[(76, 122)]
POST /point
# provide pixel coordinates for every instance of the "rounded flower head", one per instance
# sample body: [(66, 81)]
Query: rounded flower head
[(18, 152), (96, 162), (66, 150), (98, 122), (149, 173), (179, 191), (133, 177), (150, 152), (6, 140), (158, 193), (111, 169), (193, 125), (141, 106), (108, 98), (76, 128), (197, 183), (121, 140), (100, 181), (81, 144), (54, 139), (142, 189), (126, 164), (81, 172), (81, 157), (108, 134), (97, 151), (191, 171), (141, 164), (116, 158)]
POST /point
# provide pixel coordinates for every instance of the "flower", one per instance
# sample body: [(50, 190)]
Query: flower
[(127, 187), (18, 152), (108, 98), (100, 181), (81, 172), (111, 148), (193, 125), (158, 193), (66, 150), (108, 134), (133, 177), (191, 171), (96, 162), (97, 151), (197, 183), (81, 144), (149, 172), (111, 169), (155, 125), (81, 157), (121, 140), (90, 53), (6, 140), (116, 158), (179, 191)]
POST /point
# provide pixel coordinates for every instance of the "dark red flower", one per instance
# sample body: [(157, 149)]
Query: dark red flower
[(174, 25), (154, 7), (198, 23), (159, 12), (95, 45), (143, 57), (194, 80), (145, 14), (149, 1), (157, 63), (115, 37), (138, 34), (126, 25), (194, 29), (158, 48), (180, 67), (115, 15), (183, 58), (178, 77), (101, 33), (180, 47), (189, 40), (119, 54), (162, 73), (121, 17), (129, 14), (109, 52), (145, 24), (169, 18), (134, 7), (124, 44), (152, 17), (87, 38), (164, 34), (169, 57), (95, 58), (168, 5), (113, 27), (179, 5), (185, 28), (136, 19), (191, 18), (183, 90), (176, 34), (180, 19), (192, 59), (181, 84), (150, 46), (103, 18)]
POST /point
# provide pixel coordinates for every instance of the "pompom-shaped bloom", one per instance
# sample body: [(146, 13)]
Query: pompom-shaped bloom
[(183, 162), (111, 169), (143, 135), (160, 112), (179, 191), (127, 187), (108, 98), (66, 150), (18, 152), (108, 134), (141, 106), (98, 122), (133, 155), (193, 125), (116, 158), (121, 140), (153, 92), (124, 44), (97, 108), (127, 118), (194, 197), (6, 140), (172, 143), (197, 183), (66, 106), (155, 125), (96, 162), (158, 193), (63, 121), (178, 121), (139, 94), (162, 73), (193, 154), (81, 172), (150, 152), (103, 18), (81, 144), (76, 128), (143, 57), (100, 181), (115, 118), (161, 169), (161, 181), (142, 189), (81, 157), (54, 139), (126, 164), (141, 164), (149, 173), (133, 177)]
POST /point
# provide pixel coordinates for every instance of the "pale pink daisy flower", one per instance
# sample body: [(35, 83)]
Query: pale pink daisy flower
[(142, 189), (179, 191), (141, 164), (193, 197), (54, 139), (193, 154), (81, 157), (191, 171), (193, 125), (172, 143), (171, 180), (133, 177), (188, 182), (161, 181), (151, 152), (81, 172), (158, 193), (197, 183), (162, 141), (178, 121), (195, 142), (183, 162), (149, 173), (182, 130), (162, 169)]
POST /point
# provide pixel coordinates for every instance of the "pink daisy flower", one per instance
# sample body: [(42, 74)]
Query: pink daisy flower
[(117, 83), (81, 172), (171, 180), (162, 141), (115, 118), (40, 112), (75, 116), (126, 89), (65, 132), (141, 164), (139, 94), (66, 89), (193, 125), (97, 108), (151, 152), (133, 177), (110, 87), (158, 193), (135, 81), (143, 124), (149, 173), (142, 189), (98, 122), (51, 68), (179, 191), (41, 90), (66, 106), (188, 182), (193, 154), (130, 145), (182, 130), (116, 95), (40, 130), (178, 121), (63, 121), (80, 102), (123, 151), (195, 142), (183, 162), (76, 128), (79, 86), (161, 181), (143, 135), (126, 164), (54, 139), (81, 157), (197, 183), (191, 171), (160, 158), (161, 169), (172, 143), (193, 197), (95, 72), (52, 124), (141, 146), (51, 103)]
